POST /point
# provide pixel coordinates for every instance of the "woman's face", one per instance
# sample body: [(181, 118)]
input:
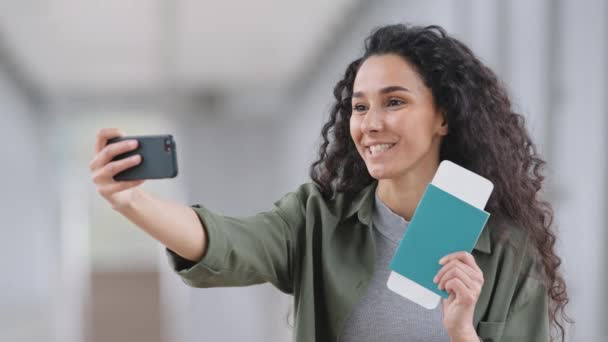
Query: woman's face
[(394, 124)]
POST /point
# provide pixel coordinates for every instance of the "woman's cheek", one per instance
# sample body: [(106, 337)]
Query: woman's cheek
[(355, 130)]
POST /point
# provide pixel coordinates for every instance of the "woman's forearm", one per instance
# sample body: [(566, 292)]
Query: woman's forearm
[(174, 225)]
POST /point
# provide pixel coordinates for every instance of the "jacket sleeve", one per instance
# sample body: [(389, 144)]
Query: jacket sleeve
[(246, 251)]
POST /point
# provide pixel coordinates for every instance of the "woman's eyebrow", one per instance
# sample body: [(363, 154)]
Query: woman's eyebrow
[(384, 90)]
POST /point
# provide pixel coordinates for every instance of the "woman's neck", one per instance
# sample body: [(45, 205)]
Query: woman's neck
[(402, 194)]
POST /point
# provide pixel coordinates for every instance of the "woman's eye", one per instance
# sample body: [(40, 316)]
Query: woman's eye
[(359, 108), (395, 102)]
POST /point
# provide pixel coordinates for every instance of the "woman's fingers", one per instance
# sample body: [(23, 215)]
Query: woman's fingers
[(104, 168), (110, 151), (106, 173), (458, 272), (465, 257), (461, 266), (103, 135), (468, 270), (462, 293)]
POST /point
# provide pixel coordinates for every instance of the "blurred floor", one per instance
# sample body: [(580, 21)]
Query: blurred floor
[(118, 298)]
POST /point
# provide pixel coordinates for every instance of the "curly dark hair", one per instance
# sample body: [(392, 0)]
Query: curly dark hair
[(485, 136)]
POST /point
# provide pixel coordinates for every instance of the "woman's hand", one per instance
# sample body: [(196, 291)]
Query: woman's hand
[(119, 193), (462, 279)]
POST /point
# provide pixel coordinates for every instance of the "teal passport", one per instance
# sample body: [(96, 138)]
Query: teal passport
[(442, 224)]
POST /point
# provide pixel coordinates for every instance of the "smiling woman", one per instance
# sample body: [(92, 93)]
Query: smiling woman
[(417, 97)]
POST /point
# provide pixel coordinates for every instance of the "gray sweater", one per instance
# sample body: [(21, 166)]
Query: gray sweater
[(383, 315)]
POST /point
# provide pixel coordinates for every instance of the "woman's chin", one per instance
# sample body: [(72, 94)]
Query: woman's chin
[(379, 173)]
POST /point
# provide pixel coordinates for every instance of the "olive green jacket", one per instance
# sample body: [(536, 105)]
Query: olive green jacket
[(322, 252)]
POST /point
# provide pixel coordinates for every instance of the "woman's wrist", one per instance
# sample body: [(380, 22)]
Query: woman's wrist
[(128, 207)]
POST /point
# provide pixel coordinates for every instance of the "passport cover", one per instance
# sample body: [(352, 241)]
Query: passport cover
[(442, 224)]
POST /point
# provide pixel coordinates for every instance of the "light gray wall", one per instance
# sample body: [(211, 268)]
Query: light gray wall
[(28, 211), (578, 152)]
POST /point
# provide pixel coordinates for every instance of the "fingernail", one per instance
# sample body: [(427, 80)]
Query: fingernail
[(132, 143), (441, 261), (435, 280)]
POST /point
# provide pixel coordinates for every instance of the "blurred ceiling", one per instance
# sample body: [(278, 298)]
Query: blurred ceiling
[(118, 46)]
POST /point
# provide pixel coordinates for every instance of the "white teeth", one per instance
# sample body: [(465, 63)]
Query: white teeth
[(375, 149)]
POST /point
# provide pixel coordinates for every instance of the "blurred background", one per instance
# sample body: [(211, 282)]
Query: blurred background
[(244, 86)]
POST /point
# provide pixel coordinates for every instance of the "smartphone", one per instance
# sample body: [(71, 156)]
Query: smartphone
[(158, 158)]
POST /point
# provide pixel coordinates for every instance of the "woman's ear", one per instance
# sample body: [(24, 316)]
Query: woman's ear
[(443, 129)]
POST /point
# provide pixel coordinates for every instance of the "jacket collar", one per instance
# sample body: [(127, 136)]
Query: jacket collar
[(363, 203)]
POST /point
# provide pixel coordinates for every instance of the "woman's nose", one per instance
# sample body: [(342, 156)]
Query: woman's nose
[(372, 121)]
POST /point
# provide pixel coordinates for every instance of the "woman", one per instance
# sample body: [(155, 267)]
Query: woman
[(416, 97)]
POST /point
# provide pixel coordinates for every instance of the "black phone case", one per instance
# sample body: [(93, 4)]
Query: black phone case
[(158, 158)]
